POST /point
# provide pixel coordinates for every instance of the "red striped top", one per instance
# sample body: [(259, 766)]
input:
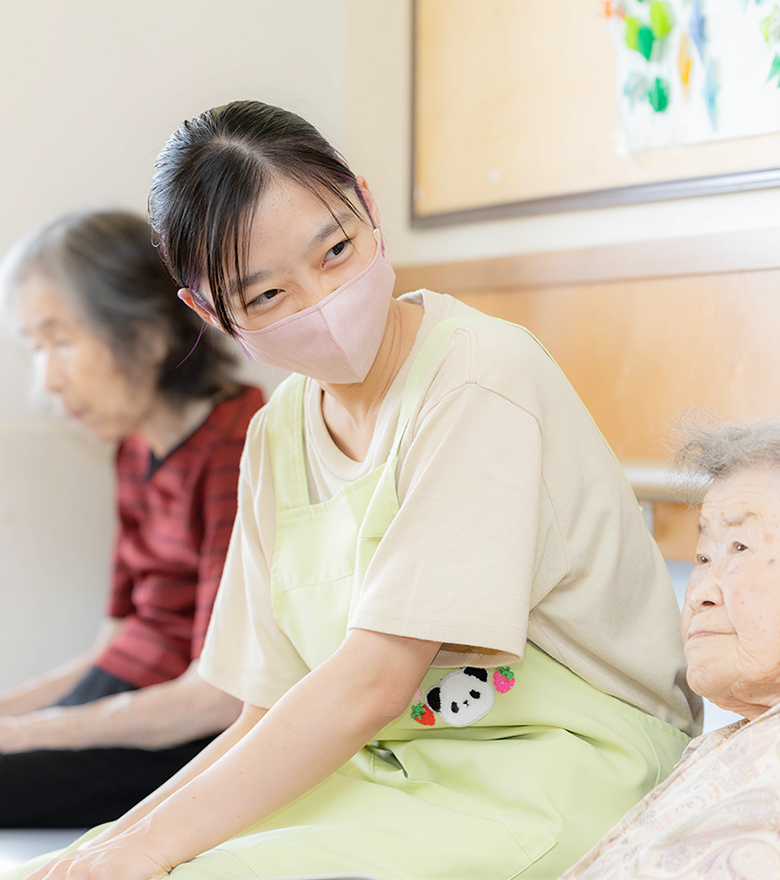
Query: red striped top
[(175, 521)]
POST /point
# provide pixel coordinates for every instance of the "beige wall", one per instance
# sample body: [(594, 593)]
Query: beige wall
[(377, 142), (91, 90)]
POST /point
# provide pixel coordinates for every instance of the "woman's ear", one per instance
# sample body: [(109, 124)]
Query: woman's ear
[(187, 297), (374, 211)]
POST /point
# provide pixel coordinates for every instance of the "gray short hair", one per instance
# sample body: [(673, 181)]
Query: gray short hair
[(711, 449), (108, 267)]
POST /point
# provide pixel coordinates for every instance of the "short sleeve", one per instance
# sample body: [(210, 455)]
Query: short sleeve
[(216, 501), (120, 598), (246, 654), (474, 544)]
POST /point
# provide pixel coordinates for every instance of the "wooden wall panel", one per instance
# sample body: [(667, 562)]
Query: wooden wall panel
[(639, 352)]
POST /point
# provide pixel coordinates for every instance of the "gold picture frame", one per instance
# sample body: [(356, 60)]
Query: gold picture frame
[(514, 113)]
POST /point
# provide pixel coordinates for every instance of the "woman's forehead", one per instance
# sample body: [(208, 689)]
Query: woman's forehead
[(42, 304), (750, 496), (286, 202)]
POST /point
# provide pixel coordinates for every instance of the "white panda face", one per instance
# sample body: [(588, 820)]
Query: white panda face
[(463, 696)]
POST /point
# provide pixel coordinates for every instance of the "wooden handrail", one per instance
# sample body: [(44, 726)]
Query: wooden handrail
[(659, 481)]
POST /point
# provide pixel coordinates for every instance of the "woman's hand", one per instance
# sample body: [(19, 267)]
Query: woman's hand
[(126, 857), (155, 717), (308, 734), (14, 734)]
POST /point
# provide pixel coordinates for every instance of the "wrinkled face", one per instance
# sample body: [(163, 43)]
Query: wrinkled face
[(79, 367), (731, 616)]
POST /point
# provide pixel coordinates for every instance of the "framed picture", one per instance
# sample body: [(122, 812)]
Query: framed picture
[(528, 108)]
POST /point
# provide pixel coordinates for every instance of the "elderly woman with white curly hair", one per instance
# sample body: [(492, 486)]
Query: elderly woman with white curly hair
[(718, 814)]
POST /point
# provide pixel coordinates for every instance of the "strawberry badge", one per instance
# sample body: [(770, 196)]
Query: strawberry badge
[(423, 715), (503, 679)]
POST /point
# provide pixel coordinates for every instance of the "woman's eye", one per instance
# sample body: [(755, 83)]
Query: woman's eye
[(337, 249), (701, 560), (263, 299), (739, 547)]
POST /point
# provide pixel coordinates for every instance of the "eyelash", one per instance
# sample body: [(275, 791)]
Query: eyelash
[(342, 244), (262, 299), (737, 545), (38, 348)]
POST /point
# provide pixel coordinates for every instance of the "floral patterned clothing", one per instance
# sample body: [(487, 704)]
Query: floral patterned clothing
[(716, 816)]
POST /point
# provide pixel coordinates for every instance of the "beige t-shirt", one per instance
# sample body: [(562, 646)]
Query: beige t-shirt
[(515, 523)]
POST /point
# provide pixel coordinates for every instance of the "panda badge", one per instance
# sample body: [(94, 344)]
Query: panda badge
[(462, 697)]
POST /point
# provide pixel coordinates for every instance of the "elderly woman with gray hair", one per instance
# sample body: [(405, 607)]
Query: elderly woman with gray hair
[(718, 814), (85, 741)]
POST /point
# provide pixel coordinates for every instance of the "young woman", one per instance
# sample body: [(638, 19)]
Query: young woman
[(85, 742), (455, 641)]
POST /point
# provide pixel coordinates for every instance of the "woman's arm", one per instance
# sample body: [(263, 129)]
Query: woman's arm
[(154, 717), (311, 732), (250, 715), (44, 690)]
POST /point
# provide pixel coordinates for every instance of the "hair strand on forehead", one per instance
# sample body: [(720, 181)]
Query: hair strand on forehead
[(210, 178)]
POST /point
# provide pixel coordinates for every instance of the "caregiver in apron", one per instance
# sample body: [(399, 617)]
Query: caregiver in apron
[(456, 643)]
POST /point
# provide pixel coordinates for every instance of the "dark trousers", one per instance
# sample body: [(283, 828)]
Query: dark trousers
[(66, 788)]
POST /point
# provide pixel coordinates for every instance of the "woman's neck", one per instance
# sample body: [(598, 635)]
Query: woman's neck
[(166, 425), (350, 411)]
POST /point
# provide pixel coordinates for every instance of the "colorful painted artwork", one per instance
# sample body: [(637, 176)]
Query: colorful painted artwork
[(692, 71)]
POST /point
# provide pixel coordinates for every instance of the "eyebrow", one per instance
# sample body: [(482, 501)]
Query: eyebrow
[(738, 519), (336, 222), (43, 327), (727, 521)]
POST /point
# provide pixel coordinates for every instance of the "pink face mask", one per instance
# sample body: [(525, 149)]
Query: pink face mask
[(336, 340)]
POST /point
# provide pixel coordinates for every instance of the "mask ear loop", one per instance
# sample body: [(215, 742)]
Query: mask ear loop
[(200, 333), (240, 341), (199, 299), (205, 305), (377, 226)]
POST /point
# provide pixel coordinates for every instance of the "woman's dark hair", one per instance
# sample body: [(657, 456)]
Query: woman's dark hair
[(209, 179), (112, 273)]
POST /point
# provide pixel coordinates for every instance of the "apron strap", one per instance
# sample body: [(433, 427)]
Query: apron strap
[(284, 431), (284, 421), (429, 353)]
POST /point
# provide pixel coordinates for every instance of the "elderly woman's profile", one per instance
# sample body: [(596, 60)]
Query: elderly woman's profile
[(718, 813)]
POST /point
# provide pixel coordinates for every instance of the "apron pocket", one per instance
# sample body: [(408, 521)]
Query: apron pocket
[(509, 841)]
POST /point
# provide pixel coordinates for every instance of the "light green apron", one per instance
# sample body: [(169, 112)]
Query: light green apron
[(523, 789)]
